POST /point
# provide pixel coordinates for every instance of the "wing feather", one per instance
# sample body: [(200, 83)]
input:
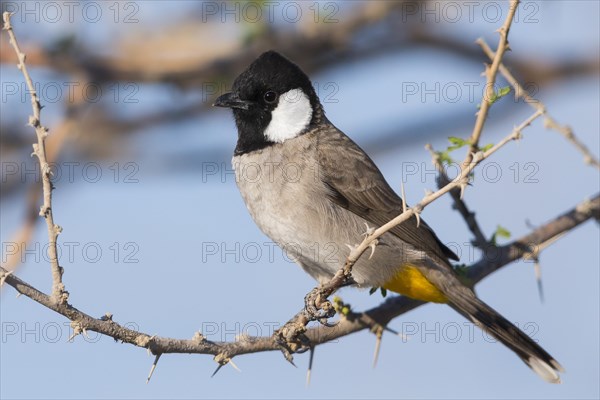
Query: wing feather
[(356, 184)]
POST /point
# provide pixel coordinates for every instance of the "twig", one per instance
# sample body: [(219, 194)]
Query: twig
[(490, 72), (24, 234), (549, 122), (459, 204), (59, 295)]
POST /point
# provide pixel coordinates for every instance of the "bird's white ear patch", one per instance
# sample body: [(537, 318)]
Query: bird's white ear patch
[(291, 116)]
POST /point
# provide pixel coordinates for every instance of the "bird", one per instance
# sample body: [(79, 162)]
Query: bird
[(314, 192)]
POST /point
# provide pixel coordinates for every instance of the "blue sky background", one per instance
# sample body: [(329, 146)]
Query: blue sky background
[(163, 281)]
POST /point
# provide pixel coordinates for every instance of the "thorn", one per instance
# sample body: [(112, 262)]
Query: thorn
[(403, 196), (418, 216), (372, 246), (379, 334), (217, 370), (234, 366), (394, 332), (287, 355), (462, 187), (310, 364), (350, 247), (538, 277), (18, 295), (75, 333), (153, 367), (77, 329), (369, 230)]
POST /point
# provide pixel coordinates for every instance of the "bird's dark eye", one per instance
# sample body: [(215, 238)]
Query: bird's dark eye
[(270, 96)]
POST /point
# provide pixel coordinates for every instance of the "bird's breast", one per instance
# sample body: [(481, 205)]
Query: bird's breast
[(285, 195)]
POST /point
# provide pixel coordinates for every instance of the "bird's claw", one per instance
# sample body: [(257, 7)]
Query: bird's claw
[(317, 309)]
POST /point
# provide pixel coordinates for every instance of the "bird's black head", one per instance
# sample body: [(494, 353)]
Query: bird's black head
[(272, 101)]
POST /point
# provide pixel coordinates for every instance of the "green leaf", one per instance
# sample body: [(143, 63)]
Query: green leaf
[(504, 91), (500, 94), (456, 141), (444, 157), (500, 232), (487, 147), (374, 289)]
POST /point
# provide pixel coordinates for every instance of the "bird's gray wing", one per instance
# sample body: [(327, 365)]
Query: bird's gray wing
[(356, 184)]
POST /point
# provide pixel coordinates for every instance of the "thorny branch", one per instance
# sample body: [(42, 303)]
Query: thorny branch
[(383, 313), (459, 205), (549, 122), (59, 295), (490, 73)]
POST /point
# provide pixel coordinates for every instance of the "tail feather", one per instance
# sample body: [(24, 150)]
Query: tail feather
[(512, 337)]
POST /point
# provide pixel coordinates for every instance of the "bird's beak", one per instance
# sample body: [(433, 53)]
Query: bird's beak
[(231, 100)]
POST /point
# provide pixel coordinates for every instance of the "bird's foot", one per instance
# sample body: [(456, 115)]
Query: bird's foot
[(317, 307)]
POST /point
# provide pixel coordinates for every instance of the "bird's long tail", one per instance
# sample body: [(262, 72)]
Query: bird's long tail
[(512, 337)]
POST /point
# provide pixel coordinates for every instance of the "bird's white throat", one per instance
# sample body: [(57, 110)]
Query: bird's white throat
[(291, 116)]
